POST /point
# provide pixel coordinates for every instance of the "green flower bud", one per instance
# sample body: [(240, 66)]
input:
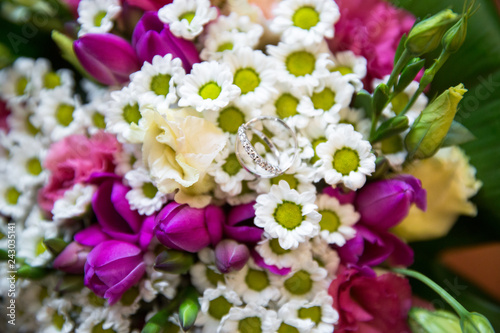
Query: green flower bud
[(474, 322), (32, 273), (439, 321), (455, 37), (430, 128), (188, 311), (426, 35), (55, 245), (174, 262)]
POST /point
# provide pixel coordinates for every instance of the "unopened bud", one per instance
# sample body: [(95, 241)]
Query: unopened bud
[(174, 262), (475, 322), (439, 321)]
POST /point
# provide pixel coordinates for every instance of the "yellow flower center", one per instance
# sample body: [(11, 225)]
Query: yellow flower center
[(299, 283), (51, 80), (290, 179), (230, 119), (247, 79), (99, 329), (329, 220), (189, 16), (300, 63), (313, 313), (21, 84), (64, 114), (305, 18), (315, 144), (131, 113), (250, 325), (149, 190), (12, 195), (343, 70), (40, 248), (210, 90), (346, 160), (286, 106), (275, 246), (288, 215), (213, 277), (257, 280), (34, 166), (99, 17), (285, 328), (323, 100), (98, 120), (225, 46), (232, 166), (58, 321), (160, 84), (30, 127), (95, 300), (219, 307), (399, 102)]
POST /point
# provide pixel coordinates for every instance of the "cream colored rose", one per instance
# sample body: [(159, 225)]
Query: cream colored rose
[(178, 148), (450, 182)]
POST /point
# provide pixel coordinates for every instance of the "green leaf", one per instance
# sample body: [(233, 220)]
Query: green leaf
[(391, 127), (65, 44), (457, 134), (55, 245), (363, 100), (380, 98), (400, 49), (409, 74)]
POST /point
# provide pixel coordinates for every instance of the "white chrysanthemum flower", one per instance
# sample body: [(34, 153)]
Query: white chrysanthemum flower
[(204, 274), (17, 85), (26, 162), (346, 63), (33, 250), (308, 21), (96, 106), (345, 158), (74, 203), (208, 87), (281, 323), (325, 256), (44, 79), (215, 46), (251, 318), (253, 284), (273, 254), (214, 305), (20, 122), (96, 16), (319, 311), (186, 18), (300, 65), (253, 73), (284, 104), (336, 220), (59, 115), (333, 93), (55, 316), (144, 196), (287, 215), (302, 283), (230, 118), (123, 116), (14, 200), (358, 120), (246, 195), (128, 158), (155, 84), (102, 319), (241, 26), (228, 172)]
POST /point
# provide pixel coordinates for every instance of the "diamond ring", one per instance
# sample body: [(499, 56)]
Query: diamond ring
[(266, 146)]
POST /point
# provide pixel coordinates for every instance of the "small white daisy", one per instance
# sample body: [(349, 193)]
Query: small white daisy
[(246, 195), (215, 46), (345, 158), (96, 106), (144, 196), (14, 200), (96, 16), (20, 121), (358, 120), (253, 74), (285, 323), (155, 84), (17, 85), (26, 162), (208, 87), (186, 18), (59, 115), (123, 116), (307, 21), (253, 284), (230, 118), (333, 93), (251, 318), (74, 203), (325, 256), (347, 63), (336, 220), (44, 79), (299, 64), (128, 158), (273, 254), (33, 249), (159, 282), (302, 283), (204, 274), (245, 31), (214, 305), (103, 319), (287, 215), (54, 316), (311, 136)]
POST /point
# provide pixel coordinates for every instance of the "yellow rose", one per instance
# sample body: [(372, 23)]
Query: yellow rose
[(450, 181), (178, 148)]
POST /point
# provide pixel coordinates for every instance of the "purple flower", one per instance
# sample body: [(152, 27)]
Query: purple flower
[(343, 196), (189, 229), (371, 247), (239, 225), (385, 203), (230, 256), (112, 268), (151, 37), (72, 259), (114, 215), (108, 58)]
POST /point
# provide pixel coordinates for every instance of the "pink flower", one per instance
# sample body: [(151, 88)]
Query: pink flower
[(372, 29), (148, 4), (368, 303), (72, 160), (4, 113), (72, 259)]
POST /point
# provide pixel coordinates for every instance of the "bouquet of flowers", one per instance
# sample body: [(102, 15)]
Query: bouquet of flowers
[(229, 166)]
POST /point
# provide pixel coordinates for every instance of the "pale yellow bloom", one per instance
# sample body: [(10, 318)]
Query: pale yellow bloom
[(450, 182), (178, 148)]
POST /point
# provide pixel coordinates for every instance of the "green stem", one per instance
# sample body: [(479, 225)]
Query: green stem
[(400, 65), (434, 286)]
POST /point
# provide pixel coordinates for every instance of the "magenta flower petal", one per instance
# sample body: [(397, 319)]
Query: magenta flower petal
[(148, 4), (240, 226), (108, 58), (91, 236), (72, 259), (343, 197), (147, 232), (122, 207), (230, 256), (114, 293), (273, 269), (215, 218)]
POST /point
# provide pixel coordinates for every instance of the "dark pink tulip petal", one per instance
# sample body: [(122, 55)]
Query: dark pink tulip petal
[(239, 225), (148, 4), (230, 256), (215, 218), (72, 259)]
